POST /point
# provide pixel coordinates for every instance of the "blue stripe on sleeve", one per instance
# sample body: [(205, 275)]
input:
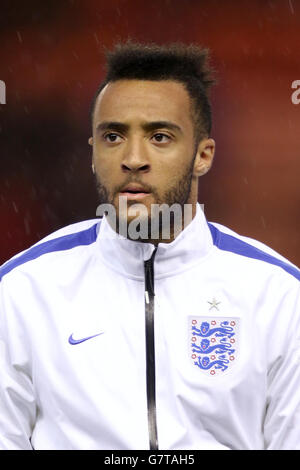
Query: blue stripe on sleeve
[(228, 242), (66, 242)]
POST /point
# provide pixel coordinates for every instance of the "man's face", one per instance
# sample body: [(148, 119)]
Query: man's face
[(144, 145)]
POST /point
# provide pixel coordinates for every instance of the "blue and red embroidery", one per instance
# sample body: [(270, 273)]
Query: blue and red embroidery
[(214, 343)]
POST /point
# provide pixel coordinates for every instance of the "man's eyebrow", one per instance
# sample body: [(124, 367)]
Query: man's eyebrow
[(112, 125), (152, 126), (147, 126)]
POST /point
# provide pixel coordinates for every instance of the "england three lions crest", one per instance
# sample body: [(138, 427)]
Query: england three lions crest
[(213, 344)]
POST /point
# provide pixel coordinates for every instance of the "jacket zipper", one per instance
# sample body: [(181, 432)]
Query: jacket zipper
[(150, 350)]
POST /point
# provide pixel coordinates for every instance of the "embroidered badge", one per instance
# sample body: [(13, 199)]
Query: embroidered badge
[(213, 343)]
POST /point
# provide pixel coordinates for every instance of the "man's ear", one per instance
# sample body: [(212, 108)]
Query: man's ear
[(204, 157), (90, 141)]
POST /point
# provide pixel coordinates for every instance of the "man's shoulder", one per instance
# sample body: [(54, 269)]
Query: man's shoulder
[(227, 240), (71, 236)]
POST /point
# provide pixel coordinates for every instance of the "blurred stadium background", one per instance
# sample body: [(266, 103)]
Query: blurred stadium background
[(52, 62)]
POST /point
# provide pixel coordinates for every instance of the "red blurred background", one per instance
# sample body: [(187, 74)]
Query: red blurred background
[(52, 62)]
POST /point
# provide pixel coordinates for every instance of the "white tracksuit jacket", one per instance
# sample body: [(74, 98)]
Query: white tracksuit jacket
[(76, 370)]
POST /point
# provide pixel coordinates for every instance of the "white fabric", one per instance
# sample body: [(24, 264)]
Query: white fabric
[(92, 395)]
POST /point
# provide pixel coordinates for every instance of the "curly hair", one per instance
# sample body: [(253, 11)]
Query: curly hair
[(187, 64)]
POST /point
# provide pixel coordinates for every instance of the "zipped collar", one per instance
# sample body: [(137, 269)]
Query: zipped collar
[(127, 256)]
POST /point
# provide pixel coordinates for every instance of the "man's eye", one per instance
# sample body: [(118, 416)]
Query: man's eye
[(161, 138), (111, 137)]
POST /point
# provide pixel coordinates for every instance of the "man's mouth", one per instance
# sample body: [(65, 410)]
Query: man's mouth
[(134, 191)]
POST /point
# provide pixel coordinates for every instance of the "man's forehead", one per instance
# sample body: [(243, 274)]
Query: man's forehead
[(166, 97), (124, 86)]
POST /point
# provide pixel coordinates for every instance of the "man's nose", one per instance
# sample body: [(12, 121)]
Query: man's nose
[(135, 156)]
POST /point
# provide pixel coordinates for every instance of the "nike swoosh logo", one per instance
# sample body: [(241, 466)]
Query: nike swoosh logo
[(77, 341)]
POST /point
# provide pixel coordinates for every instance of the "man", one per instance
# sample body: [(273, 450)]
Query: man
[(124, 335)]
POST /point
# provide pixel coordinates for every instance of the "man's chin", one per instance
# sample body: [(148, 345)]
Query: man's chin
[(131, 209), (134, 227), (147, 221)]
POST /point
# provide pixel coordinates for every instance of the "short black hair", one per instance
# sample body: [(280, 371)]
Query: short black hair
[(187, 64)]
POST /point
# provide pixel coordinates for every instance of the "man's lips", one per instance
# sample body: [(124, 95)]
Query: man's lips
[(135, 188), (134, 191), (132, 195)]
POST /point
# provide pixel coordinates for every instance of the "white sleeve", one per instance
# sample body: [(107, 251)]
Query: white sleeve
[(17, 402), (282, 420)]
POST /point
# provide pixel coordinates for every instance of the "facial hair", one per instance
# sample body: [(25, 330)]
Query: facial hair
[(177, 194)]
